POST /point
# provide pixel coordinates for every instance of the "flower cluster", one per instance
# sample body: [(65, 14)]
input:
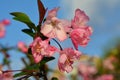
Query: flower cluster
[(53, 27)]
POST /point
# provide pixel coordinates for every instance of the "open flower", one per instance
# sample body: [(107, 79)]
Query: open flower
[(54, 27), (66, 59), (41, 48), (80, 36), (80, 31), (21, 45)]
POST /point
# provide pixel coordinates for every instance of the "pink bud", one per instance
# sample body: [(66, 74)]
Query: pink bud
[(6, 22), (22, 47)]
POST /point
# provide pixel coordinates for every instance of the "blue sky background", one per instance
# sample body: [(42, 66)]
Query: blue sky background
[(104, 19)]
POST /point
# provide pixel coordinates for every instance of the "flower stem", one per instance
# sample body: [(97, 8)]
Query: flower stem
[(18, 70), (24, 77), (58, 44), (42, 73)]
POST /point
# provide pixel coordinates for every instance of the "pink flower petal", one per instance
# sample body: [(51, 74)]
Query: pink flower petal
[(60, 33), (62, 58), (2, 30), (80, 37), (80, 19), (37, 58), (52, 13), (47, 30)]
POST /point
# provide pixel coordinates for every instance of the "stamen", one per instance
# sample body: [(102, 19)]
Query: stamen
[(37, 48)]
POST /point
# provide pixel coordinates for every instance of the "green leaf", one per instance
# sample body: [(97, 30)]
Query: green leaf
[(28, 70), (33, 67), (38, 28), (42, 36), (46, 59), (41, 10), (6, 61), (22, 17), (19, 74), (29, 51), (29, 32)]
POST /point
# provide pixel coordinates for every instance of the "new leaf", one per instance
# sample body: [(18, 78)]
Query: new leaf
[(41, 10), (29, 32), (22, 17)]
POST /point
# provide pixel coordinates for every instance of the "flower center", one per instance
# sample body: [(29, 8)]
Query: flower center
[(38, 48), (53, 24), (68, 62)]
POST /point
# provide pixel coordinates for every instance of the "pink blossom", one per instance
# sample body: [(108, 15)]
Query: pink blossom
[(41, 48), (6, 76), (3, 23), (86, 69), (2, 30), (80, 19), (67, 25), (53, 26), (92, 69), (6, 22), (82, 68), (80, 31), (80, 36), (66, 59), (22, 47), (108, 63), (106, 77)]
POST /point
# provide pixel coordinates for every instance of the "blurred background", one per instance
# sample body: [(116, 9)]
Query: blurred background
[(104, 18)]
